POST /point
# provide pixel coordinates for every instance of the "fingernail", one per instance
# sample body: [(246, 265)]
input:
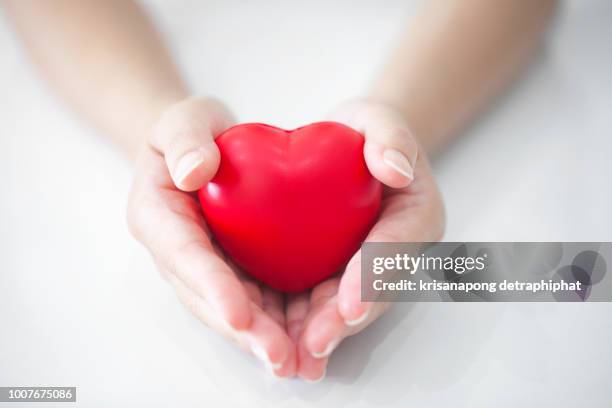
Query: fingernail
[(398, 162), (328, 350), (261, 354), (320, 378), (359, 320), (187, 164)]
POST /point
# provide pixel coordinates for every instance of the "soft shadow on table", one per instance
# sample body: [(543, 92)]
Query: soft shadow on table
[(413, 345)]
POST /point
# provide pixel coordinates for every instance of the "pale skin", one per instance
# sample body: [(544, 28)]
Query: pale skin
[(106, 59)]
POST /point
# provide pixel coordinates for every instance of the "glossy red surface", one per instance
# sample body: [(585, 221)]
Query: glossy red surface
[(291, 207)]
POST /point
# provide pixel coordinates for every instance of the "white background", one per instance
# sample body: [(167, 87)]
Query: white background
[(81, 304)]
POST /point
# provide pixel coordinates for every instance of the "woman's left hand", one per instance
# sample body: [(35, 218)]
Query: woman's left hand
[(411, 211)]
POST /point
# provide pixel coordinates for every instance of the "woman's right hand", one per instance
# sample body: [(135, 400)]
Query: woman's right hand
[(164, 214)]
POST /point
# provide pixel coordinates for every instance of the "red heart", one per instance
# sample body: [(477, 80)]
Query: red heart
[(291, 207)]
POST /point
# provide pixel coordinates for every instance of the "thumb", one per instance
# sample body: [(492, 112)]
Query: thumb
[(390, 149), (185, 135)]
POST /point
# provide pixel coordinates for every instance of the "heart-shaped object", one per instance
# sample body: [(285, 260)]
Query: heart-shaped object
[(291, 207)]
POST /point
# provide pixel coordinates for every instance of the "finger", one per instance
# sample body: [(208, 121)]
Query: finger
[(324, 291), (322, 332), (251, 287), (199, 308), (311, 365), (325, 329), (264, 339), (273, 304), (253, 291), (309, 368), (271, 344), (296, 312), (390, 149), (185, 136), (209, 277), (170, 224), (350, 306), (415, 214)]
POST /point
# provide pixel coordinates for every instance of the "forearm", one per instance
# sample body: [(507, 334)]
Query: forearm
[(105, 58), (456, 56)]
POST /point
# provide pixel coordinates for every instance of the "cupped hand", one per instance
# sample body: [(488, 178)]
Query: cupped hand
[(412, 211), (296, 334), (164, 214)]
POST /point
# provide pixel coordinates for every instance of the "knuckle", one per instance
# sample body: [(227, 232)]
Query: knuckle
[(187, 124), (403, 134), (403, 139), (178, 126)]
